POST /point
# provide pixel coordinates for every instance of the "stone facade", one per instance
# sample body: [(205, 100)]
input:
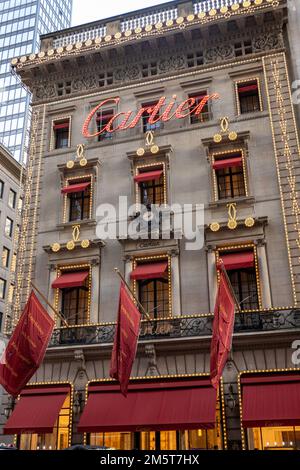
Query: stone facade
[(213, 52)]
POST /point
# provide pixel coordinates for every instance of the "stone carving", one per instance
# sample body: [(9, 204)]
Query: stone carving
[(219, 53), (85, 83), (171, 63), (266, 42), (45, 91), (166, 61), (150, 353), (127, 73)]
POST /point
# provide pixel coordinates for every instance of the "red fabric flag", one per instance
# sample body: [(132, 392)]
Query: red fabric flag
[(126, 339), (27, 346), (222, 330)]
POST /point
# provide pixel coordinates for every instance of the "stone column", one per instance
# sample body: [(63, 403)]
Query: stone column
[(175, 280), (95, 292), (212, 277), (128, 268), (264, 275)]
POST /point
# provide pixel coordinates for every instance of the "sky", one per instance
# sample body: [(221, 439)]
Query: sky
[(85, 11)]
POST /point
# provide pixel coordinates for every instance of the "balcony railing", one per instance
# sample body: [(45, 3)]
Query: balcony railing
[(207, 5), (187, 326), (81, 35), (159, 15)]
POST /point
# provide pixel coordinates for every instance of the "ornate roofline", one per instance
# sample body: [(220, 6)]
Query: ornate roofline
[(204, 18)]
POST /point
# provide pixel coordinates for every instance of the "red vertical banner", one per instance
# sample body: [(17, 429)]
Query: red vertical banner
[(223, 325), (27, 347), (126, 340)]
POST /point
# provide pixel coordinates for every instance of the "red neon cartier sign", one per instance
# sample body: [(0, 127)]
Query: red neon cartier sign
[(123, 121)]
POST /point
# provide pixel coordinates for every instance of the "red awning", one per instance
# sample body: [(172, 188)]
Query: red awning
[(37, 410), (61, 125), (271, 400), (242, 259), (247, 88), (150, 271), (75, 188), (227, 163), (74, 279), (148, 176), (185, 404)]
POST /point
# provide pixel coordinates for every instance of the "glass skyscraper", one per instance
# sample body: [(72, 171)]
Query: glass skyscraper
[(21, 24)]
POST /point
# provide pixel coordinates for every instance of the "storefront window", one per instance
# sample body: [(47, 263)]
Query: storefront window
[(160, 440), (57, 440), (275, 438), (113, 440)]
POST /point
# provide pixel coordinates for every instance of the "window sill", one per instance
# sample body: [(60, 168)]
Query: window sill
[(251, 115), (89, 222), (237, 200)]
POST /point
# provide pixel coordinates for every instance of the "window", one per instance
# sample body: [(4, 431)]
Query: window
[(154, 296), (151, 186), (248, 97), (57, 440), (20, 204), (13, 263), (204, 115), (79, 196), (8, 227), (12, 199), (229, 174), (61, 131), (1, 189), (5, 257), (102, 120), (240, 267), (75, 304), (153, 287), (147, 114), (274, 438), (64, 88), (2, 288), (202, 439)]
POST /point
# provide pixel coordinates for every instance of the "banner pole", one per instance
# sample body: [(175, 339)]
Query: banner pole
[(52, 308), (143, 311)]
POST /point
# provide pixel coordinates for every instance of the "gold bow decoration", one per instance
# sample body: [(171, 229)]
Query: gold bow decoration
[(149, 144), (71, 244), (80, 156), (224, 127)]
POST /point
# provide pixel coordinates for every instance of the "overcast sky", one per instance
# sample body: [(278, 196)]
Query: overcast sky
[(85, 11)]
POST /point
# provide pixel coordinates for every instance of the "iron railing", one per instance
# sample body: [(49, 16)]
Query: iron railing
[(187, 326)]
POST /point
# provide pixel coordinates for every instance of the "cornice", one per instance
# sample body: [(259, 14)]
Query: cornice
[(249, 7)]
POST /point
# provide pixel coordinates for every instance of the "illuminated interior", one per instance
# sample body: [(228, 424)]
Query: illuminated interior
[(57, 440), (205, 439), (159, 440), (274, 438)]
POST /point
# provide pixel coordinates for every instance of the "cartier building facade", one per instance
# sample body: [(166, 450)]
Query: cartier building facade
[(95, 138)]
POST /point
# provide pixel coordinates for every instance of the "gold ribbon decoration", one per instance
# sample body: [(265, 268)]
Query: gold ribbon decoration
[(232, 212)]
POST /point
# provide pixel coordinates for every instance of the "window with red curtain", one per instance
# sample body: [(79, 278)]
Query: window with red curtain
[(204, 115), (102, 119), (145, 118), (61, 130), (80, 201), (152, 189), (240, 267), (248, 96), (230, 176), (153, 287)]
